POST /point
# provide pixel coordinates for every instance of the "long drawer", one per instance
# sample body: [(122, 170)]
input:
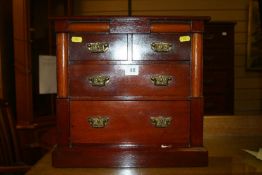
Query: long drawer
[(155, 122), (130, 80)]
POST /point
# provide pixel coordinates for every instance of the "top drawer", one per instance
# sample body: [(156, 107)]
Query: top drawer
[(162, 46), (114, 47), (86, 46)]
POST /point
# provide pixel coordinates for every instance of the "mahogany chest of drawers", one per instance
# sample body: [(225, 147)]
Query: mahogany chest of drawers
[(129, 92)]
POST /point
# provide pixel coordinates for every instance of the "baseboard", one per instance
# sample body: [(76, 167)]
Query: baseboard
[(119, 156)]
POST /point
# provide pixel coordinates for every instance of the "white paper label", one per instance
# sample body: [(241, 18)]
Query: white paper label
[(47, 74), (132, 70)]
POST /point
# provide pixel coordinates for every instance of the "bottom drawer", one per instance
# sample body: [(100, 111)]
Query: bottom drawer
[(155, 122)]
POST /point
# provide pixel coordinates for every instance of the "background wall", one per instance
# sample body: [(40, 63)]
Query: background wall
[(248, 85)]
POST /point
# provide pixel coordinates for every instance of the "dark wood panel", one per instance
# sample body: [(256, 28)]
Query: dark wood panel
[(63, 121), (22, 62), (130, 25), (218, 104), (219, 68), (216, 82), (129, 122), (129, 85), (196, 122), (219, 35), (170, 28), (218, 58)]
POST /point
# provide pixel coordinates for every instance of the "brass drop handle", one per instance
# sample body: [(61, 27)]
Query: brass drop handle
[(161, 80), (99, 80), (161, 121), (161, 46), (98, 47), (98, 121)]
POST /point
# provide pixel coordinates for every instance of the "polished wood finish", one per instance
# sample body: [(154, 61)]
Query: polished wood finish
[(96, 27), (109, 78), (120, 85), (110, 156), (63, 121), (170, 28), (225, 159), (225, 137), (196, 129), (62, 65), (197, 65), (117, 47), (129, 25), (142, 46), (120, 116)]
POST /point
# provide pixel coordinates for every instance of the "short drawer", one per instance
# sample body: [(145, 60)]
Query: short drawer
[(129, 80), (156, 122), (161, 46), (84, 46)]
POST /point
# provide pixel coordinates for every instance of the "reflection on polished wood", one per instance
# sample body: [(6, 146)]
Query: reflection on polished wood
[(223, 140), (231, 161)]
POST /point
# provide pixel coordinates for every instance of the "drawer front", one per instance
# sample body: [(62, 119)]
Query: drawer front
[(115, 80), (155, 122), (161, 46), (84, 46)]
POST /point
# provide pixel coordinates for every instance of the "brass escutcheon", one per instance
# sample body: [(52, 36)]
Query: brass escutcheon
[(98, 47), (161, 121), (161, 46), (99, 80), (98, 121), (161, 80)]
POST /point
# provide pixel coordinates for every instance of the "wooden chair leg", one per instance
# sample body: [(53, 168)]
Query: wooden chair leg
[(10, 154)]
